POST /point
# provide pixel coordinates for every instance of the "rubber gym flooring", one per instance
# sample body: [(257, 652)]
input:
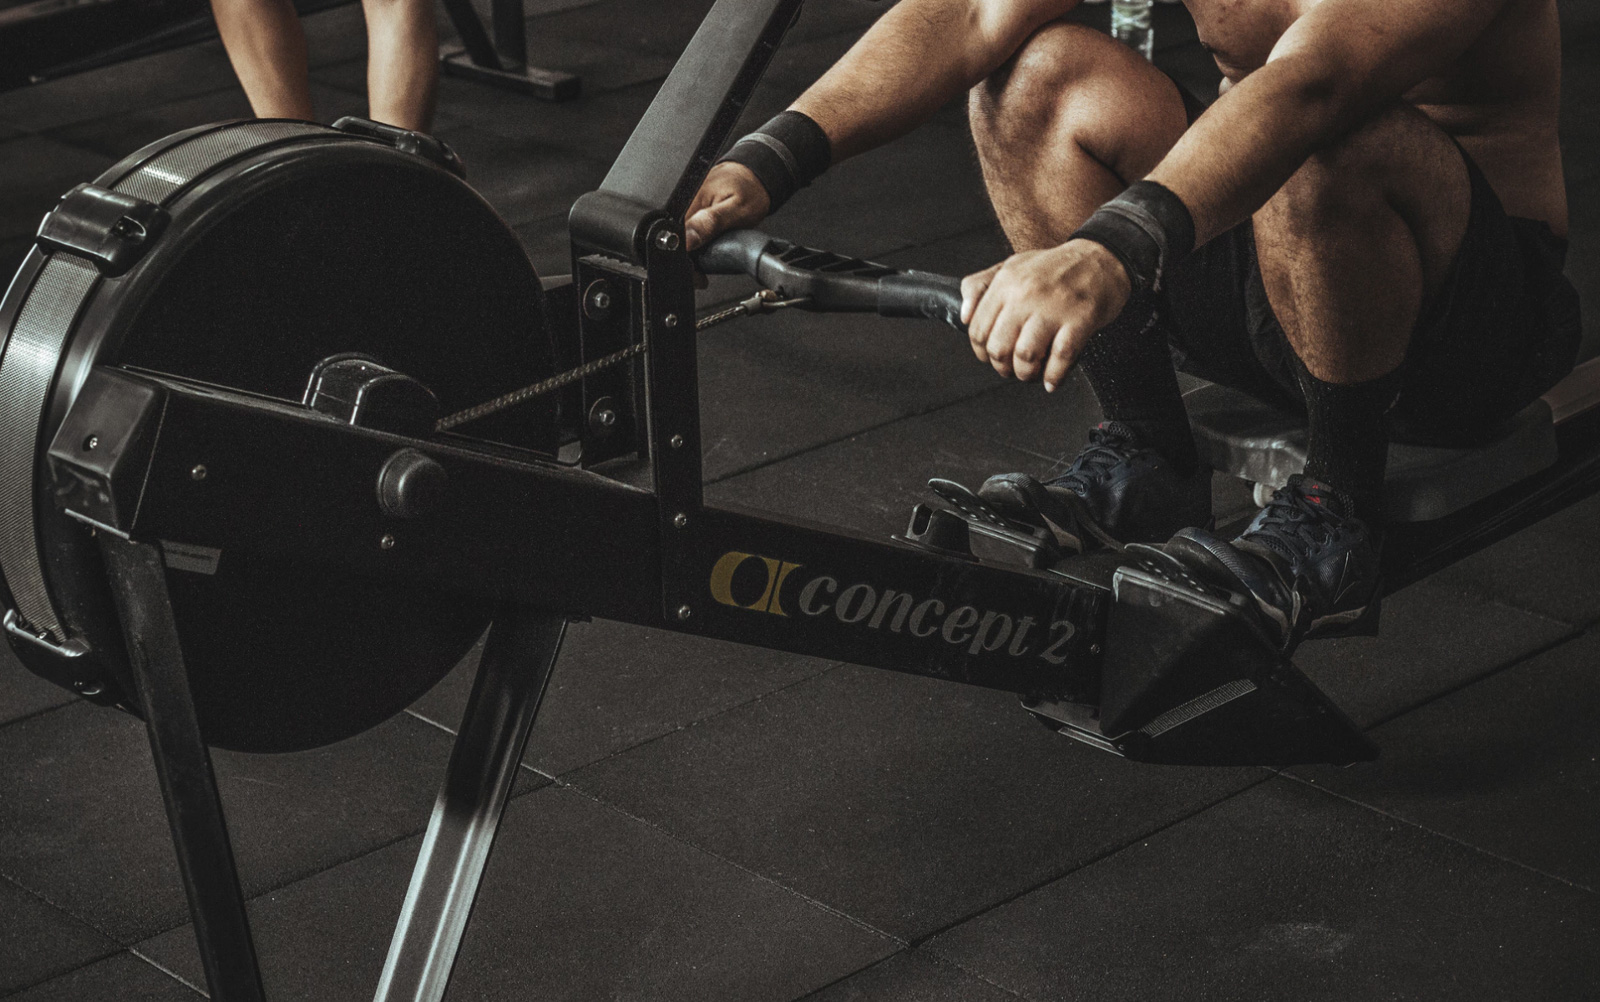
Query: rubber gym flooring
[(703, 821)]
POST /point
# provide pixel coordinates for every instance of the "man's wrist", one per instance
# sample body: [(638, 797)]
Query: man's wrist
[(785, 155), (1147, 228)]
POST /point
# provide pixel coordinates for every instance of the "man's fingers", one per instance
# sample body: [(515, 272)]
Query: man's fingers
[(1003, 340), (1032, 348), (980, 326), (972, 290), (1063, 352), (701, 227)]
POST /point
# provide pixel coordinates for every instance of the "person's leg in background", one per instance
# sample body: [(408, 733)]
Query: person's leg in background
[(267, 47), (402, 62)]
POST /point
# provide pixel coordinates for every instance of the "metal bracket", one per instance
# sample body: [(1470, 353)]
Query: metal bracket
[(418, 144), (610, 319), (109, 229), (673, 388), (71, 647)]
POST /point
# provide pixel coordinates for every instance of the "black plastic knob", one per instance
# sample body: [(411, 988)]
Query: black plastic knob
[(411, 485)]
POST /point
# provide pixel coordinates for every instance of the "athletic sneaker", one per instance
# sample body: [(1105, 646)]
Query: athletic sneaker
[(1311, 567), (1117, 491)]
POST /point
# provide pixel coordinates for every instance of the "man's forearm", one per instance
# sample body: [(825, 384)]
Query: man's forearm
[(1338, 64), (920, 55), (1252, 140)]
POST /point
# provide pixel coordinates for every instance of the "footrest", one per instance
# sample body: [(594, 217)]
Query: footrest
[(984, 533), (1243, 437), (1188, 679)]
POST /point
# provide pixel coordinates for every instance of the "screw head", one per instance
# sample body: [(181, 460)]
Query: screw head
[(603, 417), (199, 472), (597, 299), (386, 542), (90, 442), (676, 441), (684, 612), (681, 520), (667, 240), (1094, 648), (671, 320)]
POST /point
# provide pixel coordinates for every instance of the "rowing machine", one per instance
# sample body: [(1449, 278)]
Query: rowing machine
[(255, 492)]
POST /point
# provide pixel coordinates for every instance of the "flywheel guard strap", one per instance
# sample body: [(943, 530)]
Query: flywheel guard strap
[(26, 372), (45, 324)]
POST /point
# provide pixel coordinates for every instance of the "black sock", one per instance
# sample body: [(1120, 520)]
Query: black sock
[(1349, 439), (1130, 368)]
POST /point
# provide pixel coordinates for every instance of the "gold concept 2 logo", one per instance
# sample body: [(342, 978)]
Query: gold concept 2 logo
[(754, 582)]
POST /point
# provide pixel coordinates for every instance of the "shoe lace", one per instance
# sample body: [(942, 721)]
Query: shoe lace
[(1290, 515), (1105, 450)]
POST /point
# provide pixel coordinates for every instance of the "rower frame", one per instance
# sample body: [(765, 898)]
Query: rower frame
[(286, 482)]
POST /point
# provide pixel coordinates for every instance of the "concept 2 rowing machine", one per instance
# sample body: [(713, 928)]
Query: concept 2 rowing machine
[(274, 452)]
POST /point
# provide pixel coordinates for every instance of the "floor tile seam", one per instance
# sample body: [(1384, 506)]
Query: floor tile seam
[(1509, 603), (1478, 849), (924, 942), (1485, 596), (71, 913), (52, 133), (760, 877), (282, 885), (929, 958), (934, 957), (828, 667), (1518, 660), (117, 946), (169, 972), (652, 739), (36, 714), (29, 986), (479, 118), (817, 447), (52, 137)]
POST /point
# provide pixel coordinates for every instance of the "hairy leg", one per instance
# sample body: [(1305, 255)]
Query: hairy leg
[(1065, 126), (268, 50), (1356, 240), (402, 62), (1349, 250)]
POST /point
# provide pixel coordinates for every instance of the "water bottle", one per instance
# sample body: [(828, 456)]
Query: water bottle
[(1130, 24)]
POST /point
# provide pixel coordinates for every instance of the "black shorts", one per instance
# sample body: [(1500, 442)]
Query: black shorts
[(1502, 329)]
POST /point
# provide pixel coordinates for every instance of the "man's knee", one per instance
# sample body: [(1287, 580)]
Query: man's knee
[(1027, 97), (1399, 162), (1069, 83)]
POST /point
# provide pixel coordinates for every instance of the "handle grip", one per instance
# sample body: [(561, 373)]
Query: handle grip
[(832, 283), (921, 294)]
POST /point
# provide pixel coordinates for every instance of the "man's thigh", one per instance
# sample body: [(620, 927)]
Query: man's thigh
[(1220, 325), (1501, 327)]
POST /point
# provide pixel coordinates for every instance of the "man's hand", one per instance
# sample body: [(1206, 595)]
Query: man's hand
[(730, 198), (1033, 312)]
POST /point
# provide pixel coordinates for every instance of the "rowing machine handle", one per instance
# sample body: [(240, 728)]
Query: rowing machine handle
[(826, 282)]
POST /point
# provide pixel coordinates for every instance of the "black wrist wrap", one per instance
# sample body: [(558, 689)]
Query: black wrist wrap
[(1147, 227), (785, 155)]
